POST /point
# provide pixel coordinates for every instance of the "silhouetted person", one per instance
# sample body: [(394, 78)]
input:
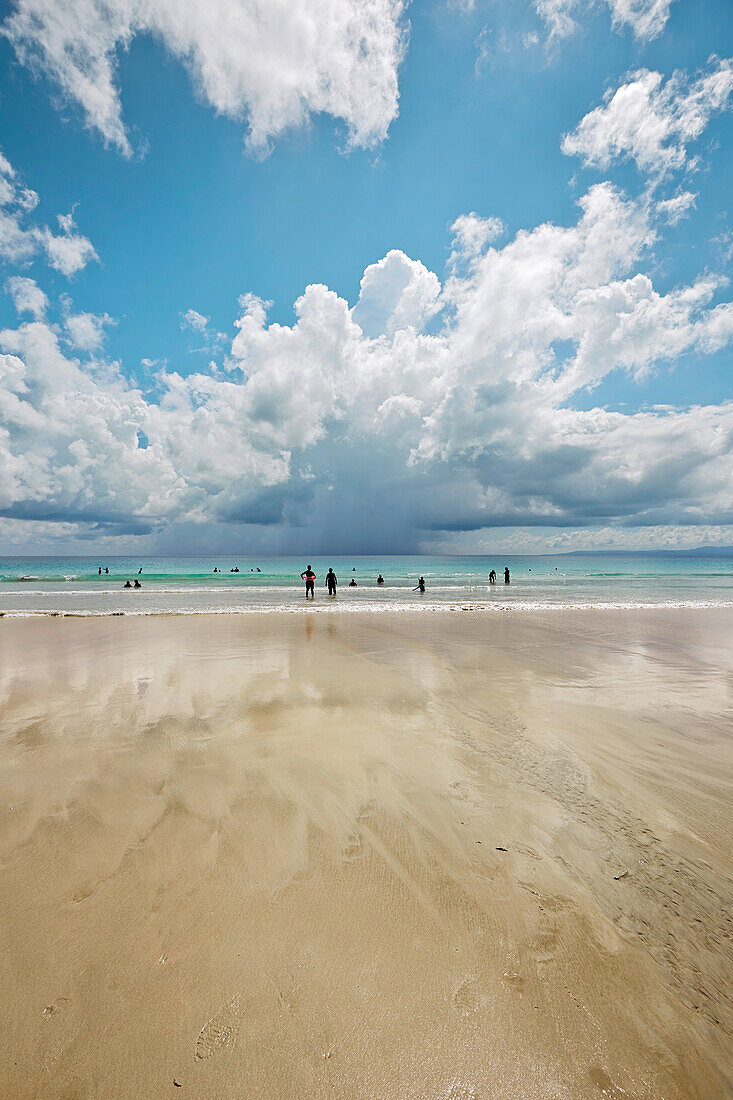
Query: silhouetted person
[(127, 585), (258, 569), (137, 583), (380, 579), (106, 569), (100, 570), (331, 582), (506, 576), (310, 581), (420, 585), (216, 570), (139, 570), (492, 577), (352, 583)]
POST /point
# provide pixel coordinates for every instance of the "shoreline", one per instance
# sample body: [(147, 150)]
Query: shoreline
[(314, 607)]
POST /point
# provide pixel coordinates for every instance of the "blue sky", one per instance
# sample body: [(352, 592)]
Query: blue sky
[(541, 355)]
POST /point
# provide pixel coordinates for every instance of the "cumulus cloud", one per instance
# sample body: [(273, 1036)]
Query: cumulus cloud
[(365, 421), (645, 18), (273, 64), (27, 296), (86, 331), (68, 252), (395, 293), (471, 234), (652, 122)]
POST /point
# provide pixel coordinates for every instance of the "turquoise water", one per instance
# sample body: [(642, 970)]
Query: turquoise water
[(69, 585)]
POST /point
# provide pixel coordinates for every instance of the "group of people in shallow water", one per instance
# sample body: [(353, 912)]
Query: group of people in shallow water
[(310, 580), (332, 582), (127, 584), (236, 569)]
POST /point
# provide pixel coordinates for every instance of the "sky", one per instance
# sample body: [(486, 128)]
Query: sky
[(365, 276)]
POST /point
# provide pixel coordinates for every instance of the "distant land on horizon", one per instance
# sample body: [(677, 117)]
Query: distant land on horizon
[(722, 551)]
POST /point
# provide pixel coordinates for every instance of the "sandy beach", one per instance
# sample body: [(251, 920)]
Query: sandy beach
[(462, 856)]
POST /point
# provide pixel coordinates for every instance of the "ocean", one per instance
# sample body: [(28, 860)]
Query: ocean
[(190, 585)]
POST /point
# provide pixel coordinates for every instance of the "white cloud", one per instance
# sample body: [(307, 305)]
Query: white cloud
[(677, 207), (193, 320), (396, 292), (471, 235), (27, 296), (273, 64), (68, 253), (559, 15), (652, 122), (19, 242), (85, 331), (645, 18), (474, 423)]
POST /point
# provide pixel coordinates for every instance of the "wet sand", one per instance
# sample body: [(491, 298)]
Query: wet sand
[(461, 855)]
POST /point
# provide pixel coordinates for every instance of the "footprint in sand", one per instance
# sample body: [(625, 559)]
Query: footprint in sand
[(605, 1085), (220, 1032), (352, 850), (470, 996), (52, 1009)]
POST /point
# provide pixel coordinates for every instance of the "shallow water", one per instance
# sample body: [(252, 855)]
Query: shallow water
[(65, 585)]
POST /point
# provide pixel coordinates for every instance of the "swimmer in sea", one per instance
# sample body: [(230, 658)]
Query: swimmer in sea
[(352, 583), (127, 585), (420, 586), (137, 583), (310, 581), (380, 579)]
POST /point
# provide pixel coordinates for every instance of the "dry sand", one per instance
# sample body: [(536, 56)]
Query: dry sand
[(416, 856)]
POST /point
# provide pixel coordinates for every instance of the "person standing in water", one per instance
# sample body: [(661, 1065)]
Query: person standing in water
[(420, 586), (380, 579), (331, 582), (310, 581), (506, 575), (492, 577)]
